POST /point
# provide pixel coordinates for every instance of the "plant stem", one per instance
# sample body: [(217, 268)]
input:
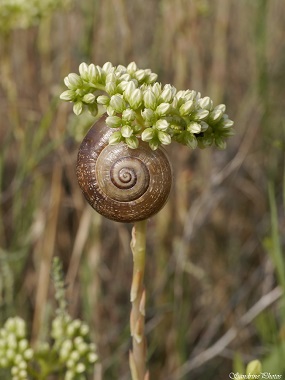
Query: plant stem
[(137, 318)]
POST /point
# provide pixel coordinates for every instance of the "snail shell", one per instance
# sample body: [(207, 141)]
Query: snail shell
[(122, 184)]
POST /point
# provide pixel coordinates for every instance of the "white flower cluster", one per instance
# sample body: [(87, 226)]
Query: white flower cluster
[(138, 107), (15, 352), (71, 342)]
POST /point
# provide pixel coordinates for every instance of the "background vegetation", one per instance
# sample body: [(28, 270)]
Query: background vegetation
[(215, 269)]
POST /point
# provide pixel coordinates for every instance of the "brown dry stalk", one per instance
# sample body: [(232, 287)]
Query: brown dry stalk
[(137, 318)]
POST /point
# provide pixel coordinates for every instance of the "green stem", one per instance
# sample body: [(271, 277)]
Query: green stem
[(137, 318)]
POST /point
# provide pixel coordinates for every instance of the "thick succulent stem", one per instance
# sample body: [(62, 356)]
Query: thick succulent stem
[(137, 318)]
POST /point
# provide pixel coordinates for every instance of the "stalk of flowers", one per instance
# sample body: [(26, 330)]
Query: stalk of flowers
[(139, 107), (15, 351), (71, 342), (70, 353)]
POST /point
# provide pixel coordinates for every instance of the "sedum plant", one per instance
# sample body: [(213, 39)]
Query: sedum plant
[(131, 185), (142, 108), (71, 354)]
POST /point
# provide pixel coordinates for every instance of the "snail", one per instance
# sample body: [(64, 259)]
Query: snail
[(122, 184)]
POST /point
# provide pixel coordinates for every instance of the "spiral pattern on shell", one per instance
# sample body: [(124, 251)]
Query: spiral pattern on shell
[(122, 184)]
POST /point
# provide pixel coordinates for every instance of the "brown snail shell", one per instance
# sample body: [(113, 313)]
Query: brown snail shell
[(122, 184)]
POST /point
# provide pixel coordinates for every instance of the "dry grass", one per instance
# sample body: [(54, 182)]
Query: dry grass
[(209, 249)]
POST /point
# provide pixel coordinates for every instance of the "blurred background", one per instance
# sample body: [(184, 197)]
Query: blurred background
[(215, 265)]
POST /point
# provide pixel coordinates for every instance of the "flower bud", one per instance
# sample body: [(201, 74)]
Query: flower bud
[(28, 354), (187, 108), (148, 134), (82, 348), (163, 109), (111, 77), (149, 99), (122, 86), (156, 88), (135, 99), (140, 75), (221, 107), (206, 103), (83, 70), (70, 363), (14, 371), (216, 115), (23, 374), (75, 356), (92, 73), (180, 94), (166, 95), (78, 108), (130, 88), (161, 124), (103, 99), (125, 77), (10, 354), (194, 127), (110, 111), (100, 73), (117, 103), (191, 95), (115, 138), (132, 142), (151, 78), (88, 98), (164, 138), (148, 115), (200, 114), (191, 141), (154, 143), (69, 375), (23, 345), (92, 357), (107, 67), (121, 69), (220, 143), (204, 126), (111, 88), (227, 123), (67, 95), (80, 368), (132, 68), (128, 114), (74, 81), (113, 121), (12, 341), (126, 131)]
